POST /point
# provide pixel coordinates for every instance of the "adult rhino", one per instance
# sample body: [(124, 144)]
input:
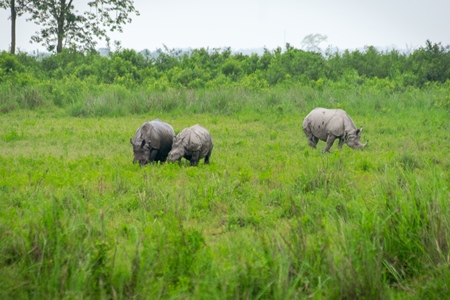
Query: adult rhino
[(192, 143), (152, 142), (331, 124)]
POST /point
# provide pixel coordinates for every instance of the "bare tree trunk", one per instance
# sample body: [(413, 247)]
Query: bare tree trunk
[(61, 19), (13, 26), (60, 38)]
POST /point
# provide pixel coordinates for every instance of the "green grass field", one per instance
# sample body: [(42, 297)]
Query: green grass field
[(269, 218)]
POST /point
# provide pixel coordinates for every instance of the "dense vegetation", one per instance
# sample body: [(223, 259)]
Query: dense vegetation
[(80, 81), (269, 218)]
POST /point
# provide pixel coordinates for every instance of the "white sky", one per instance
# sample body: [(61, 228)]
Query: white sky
[(245, 24)]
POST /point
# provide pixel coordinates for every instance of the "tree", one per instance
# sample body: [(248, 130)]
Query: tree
[(63, 25), (311, 42), (17, 8), (431, 63)]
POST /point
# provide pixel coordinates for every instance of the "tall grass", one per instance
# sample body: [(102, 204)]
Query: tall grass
[(269, 218), (84, 99)]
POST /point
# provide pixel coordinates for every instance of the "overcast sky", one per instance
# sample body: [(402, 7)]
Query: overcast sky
[(245, 24)]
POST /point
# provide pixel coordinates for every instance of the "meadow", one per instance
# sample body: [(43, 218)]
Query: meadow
[(269, 218)]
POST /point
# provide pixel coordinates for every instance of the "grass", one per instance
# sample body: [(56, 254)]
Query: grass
[(268, 218)]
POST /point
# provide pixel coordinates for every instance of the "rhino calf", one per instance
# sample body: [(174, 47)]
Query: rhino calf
[(331, 124), (152, 142), (192, 143)]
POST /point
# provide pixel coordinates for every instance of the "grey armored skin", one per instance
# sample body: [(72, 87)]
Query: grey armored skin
[(330, 124), (193, 143), (152, 142)]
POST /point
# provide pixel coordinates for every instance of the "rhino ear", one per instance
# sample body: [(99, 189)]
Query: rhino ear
[(143, 144), (358, 132), (131, 142)]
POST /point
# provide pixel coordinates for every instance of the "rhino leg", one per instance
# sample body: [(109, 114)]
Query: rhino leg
[(330, 140), (194, 158), (208, 156), (341, 143), (152, 156), (163, 158)]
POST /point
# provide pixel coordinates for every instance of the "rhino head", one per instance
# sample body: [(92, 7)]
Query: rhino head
[(141, 152), (177, 151), (353, 137)]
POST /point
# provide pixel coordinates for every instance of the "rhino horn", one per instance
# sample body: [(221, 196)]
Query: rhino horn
[(361, 145)]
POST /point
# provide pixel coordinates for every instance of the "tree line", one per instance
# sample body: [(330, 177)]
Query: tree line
[(210, 68)]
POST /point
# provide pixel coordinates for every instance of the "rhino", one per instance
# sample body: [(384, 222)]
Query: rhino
[(330, 124), (152, 142), (192, 143)]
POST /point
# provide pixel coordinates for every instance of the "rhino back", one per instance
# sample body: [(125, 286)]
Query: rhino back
[(194, 139), (323, 121), (317, 121), (202, 133), (202, 137), (161, 135)]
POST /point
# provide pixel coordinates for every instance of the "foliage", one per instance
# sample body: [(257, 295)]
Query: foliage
[(431, 63), (63, 26), (126, 81), (209, 69), (17, 7)]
